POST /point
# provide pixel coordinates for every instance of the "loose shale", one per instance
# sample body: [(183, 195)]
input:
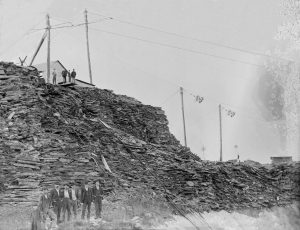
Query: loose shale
[(54, 133)]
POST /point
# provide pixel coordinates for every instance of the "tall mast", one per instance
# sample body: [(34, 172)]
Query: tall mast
[(87, 45)]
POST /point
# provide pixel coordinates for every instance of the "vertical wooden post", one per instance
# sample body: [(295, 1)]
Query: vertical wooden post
[(87, 45), (220, 118), (48, 48), (183, 118)]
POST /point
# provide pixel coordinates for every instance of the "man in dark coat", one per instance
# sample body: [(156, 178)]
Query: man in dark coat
[(86, 200), (73, 75), (69, 75), (75, 199), (45, 206), (64, 74), (42, 212), (54, 77), (66, 199), (56, 202), (97, 198)]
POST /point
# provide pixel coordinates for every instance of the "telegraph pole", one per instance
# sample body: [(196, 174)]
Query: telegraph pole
[(48, 49), (87, 45), (220, 119), (183, 118)]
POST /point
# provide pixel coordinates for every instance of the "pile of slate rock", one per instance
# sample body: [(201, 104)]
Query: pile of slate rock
[(55, 134)]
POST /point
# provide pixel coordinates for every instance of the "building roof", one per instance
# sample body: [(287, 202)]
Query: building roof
[(282, 157), (84, 82), (43, 66)]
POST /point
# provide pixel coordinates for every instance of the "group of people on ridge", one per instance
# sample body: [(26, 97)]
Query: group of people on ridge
[(65, 74), (60, 201)]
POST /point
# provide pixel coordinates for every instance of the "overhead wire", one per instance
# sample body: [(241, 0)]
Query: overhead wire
[(169, 97), (190, 38), (175, 47), (210, 100), (73, 25), (26, 33), (235, 108), (140, 39)]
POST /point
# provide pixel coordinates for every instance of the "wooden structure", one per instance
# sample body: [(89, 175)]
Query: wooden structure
[(59, 67), (281, 160)]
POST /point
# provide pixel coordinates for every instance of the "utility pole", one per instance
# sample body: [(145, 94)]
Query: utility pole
[(220, 118), (183, 118), (87, 45), (48, 49)]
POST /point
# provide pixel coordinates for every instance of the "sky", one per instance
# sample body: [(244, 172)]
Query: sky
[(152, 72)]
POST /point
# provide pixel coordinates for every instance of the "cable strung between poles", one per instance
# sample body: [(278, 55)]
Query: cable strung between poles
[(176, 47), (191, 38)]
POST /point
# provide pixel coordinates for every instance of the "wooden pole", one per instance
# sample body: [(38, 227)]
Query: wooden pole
[(48, 48), (183, 118), (38, 48), (87, 45), (220, 118)]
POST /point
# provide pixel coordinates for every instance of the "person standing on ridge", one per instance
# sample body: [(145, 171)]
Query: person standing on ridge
[(69, 75), (54, 77), (64, 74), (73, 75), (98, 197)]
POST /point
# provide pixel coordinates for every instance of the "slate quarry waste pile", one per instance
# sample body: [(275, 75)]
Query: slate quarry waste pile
[(51, 134)]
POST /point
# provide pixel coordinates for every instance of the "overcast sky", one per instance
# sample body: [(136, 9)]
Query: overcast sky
[(152, 73)]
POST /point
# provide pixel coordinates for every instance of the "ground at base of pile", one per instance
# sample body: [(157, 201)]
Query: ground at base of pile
[(135, 216), (276, 218), (120, 211)]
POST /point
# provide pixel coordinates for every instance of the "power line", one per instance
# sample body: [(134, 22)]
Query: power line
[(169, 97), (72, 25), (175, 47), (238, 110), (191, 38), (19, 39), (130, 65), (241, 110), (234, 107)]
